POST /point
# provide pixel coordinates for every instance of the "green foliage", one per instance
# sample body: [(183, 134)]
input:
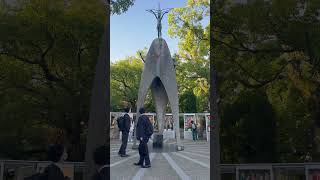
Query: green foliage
[(47, 56), (190, 25), (120, 6), (271, 46), (125, 80), (249, 127), (188, 102)]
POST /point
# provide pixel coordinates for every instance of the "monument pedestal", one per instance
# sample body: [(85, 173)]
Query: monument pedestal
[(157, 140), (135, 146), (180, 148)]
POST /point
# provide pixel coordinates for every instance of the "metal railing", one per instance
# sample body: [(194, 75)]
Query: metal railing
[(290, 171)]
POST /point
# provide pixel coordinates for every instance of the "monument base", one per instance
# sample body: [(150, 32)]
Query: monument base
[(180, 148), (157, 140), (136, 146)]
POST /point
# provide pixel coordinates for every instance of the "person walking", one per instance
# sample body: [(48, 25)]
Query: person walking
[(194, 131), (143, 133), (124, 124)]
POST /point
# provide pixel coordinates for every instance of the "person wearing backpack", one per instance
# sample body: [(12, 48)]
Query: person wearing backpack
[(143, 133), (124, 123), (194, 130), (57, 154), (101, 158)]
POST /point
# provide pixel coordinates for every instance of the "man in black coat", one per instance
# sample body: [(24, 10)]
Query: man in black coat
[(142, 125), (125, 134), (57, 154), (101, 159)]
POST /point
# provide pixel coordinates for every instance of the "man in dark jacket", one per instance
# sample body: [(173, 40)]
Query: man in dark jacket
[(125, 134), (57, 154), (142, 125), (101, 158)]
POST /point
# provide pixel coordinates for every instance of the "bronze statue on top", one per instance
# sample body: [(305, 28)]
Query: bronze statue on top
[(159, 15)]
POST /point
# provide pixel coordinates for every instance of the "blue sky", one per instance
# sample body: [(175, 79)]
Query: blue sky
[(137, 28)]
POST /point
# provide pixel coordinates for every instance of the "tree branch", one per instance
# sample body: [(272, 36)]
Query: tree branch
[(141, 57), (247, 49), (50, 46), (20, 58), (261, 83)]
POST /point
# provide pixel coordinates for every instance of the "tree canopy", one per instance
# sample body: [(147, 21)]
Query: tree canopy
[(47, 55), (272, 46)]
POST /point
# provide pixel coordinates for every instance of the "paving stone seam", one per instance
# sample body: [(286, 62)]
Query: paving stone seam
[(193, 160), (128, 152), (195, 154), (124, 160), (141, 171), (195, 151), (178, 170)]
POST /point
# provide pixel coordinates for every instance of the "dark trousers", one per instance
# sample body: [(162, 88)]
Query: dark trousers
[(124, 138), (194, 135), (144, 152)]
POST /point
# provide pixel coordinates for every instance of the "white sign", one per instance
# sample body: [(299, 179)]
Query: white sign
[(187, 125), (168, 122), (168, 134)]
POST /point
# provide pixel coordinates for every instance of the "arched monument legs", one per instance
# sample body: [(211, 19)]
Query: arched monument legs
[(159, 74), (172, 92), (146, 81), (161, 100), (175, 115)]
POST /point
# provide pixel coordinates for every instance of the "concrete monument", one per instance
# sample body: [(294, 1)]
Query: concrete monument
[(159, 75)]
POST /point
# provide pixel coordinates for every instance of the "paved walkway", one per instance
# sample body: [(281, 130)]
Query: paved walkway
[(191, 164)]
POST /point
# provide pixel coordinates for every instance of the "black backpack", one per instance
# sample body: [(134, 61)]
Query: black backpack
[(120, 122), (149, 128)]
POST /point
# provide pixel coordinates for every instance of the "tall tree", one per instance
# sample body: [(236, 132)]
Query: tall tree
[(190, 25), (260, 43), (125, 79), (249, 126), (54, 50)]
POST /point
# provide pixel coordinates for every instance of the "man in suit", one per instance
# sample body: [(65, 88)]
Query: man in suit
[(100, 157), (143, 136), (125, 133)]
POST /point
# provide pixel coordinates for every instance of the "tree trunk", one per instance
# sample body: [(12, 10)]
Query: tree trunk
[(100, 100), (215, 132)]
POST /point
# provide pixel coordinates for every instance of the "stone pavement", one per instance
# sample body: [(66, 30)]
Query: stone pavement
[(191, 164)]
